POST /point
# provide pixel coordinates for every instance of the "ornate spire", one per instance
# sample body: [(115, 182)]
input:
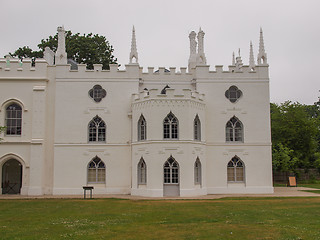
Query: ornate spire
[(239, 63), (251, 58), (201, 58), (61, 54), (134, 52), (233, 59), (262, 56), (193, 51)]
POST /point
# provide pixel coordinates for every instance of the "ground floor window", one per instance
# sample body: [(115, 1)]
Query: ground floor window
[(171, 171), (197, 172), (235, 170), (11, 177), (96, 171), (142, 172)]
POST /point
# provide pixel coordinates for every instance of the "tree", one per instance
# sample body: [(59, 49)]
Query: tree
[(295, 135), (88, 49)]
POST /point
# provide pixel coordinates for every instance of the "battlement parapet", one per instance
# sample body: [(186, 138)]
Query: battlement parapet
[(155, 94), (246, 72)]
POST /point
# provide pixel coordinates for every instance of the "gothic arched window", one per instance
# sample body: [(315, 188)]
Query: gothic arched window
[(234, 130), (96, 171), (235, 170), (197, 128), (142, 172), (170, 127), (142, 129), (197, 172), (13, 119), (97, 130), (171, 171)]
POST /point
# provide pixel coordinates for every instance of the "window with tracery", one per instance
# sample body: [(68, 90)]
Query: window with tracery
[(234, 130), (97, 130), (171, 171), (235, 170), (233, 94), (170, 127), (13, 121), (96, 171), (142, 172), (142, 129), (197, 172), (197, 128), (97, 93)]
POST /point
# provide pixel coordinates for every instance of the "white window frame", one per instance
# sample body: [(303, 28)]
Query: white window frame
[(171, 171), (197, 128), (98, 168), (13, 123), (197, 172), (142, 172), (142, 129), (234, 130), (170, 127), (97, 131), (236, 168)]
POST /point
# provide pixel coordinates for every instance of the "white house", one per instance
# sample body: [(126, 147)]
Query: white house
[(163, 132)]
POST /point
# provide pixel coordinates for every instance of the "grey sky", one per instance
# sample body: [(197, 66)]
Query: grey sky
[(291, 33)]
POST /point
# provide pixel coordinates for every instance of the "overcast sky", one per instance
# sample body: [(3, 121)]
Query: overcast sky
[(291, 33)]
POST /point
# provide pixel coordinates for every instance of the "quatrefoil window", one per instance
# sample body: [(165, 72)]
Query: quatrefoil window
[(97, 93), (233, 94)]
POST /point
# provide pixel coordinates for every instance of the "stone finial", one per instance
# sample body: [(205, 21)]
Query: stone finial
[(251, 58), (61, 54), (48, 55), (233, 59), (262, 56), (193, 50), (239, 63), (201, 58), (133, 52)]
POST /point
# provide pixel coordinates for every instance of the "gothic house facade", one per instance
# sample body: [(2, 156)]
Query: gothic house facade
[(160, 132)]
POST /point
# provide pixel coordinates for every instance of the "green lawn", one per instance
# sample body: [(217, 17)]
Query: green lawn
[(242, 218)]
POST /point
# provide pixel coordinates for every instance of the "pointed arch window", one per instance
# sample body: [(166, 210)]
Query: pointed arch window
[(142, 172), (170, 127), (235, 170), (234, 130), (197, 128), (171, 171), (97, 130), (13, 119), (197, 172), (96, 171), (142, 129)]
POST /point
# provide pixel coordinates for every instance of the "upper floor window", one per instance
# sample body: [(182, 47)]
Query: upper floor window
[(197, 128), (142, 172), (233, 94), (142, 129), (234, 130), (97, 93), (235, 170), (170, 127), (96, 171), (97, 130), (13, 119)]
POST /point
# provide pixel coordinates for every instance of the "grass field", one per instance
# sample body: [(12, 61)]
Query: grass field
[(230, 218)]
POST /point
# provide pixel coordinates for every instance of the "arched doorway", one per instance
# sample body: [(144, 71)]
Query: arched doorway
[(171, 178), (11, 177)]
